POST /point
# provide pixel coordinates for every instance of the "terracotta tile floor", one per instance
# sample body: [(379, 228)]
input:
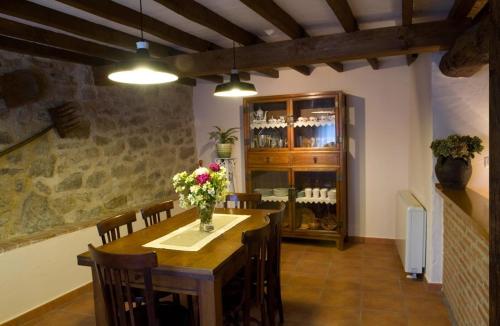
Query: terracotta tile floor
[(362, 285)]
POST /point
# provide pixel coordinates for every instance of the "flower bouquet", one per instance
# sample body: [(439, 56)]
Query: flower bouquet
[(203, 188)]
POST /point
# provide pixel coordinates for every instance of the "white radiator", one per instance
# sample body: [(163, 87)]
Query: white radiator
[(410, 232)]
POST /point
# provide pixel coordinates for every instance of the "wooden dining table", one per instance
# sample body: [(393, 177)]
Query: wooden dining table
[(199, 273)]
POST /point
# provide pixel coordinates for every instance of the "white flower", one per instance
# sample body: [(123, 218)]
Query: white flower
[(201, 170)]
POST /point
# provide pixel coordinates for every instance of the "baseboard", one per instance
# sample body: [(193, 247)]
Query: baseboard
[(382, 241), (51, 305)]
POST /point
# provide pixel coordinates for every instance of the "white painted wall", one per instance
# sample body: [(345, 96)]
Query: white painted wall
[(421, 182), (461, 105), (443, 106), (378, 102), (33, 275)]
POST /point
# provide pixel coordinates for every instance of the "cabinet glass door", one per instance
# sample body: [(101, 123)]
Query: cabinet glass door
[(316, 201), (274, 186), (315, 123), (268, 125)]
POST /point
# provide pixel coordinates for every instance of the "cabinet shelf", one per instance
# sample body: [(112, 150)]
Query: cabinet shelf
[(311, 200), (299, 124), (281, 199), (268, 125)]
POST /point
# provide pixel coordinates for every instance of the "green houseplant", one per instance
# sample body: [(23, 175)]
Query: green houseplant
[(224, 140), (453, 167)]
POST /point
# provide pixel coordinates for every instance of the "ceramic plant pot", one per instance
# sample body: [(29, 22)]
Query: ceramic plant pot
[(453, 173), (224, 150)]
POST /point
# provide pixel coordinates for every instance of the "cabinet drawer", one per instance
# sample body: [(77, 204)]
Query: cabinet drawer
[(316, 159), (268, 158)]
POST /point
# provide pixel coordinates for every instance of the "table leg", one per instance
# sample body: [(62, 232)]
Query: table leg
[(100, 312), (210, 301)]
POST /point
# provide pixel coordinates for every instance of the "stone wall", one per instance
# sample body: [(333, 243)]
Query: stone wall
[(139, 137)]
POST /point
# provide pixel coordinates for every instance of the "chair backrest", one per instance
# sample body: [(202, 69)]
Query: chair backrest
[(256, 246), (151, 214), (114, 282), (109, 229), (243, 200), (274, 251)]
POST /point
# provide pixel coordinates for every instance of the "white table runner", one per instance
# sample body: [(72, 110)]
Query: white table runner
[(190, 238)]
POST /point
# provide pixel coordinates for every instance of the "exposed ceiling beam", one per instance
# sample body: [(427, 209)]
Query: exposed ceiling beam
[(71, 24), (344, 14), (64, 41), (20, 46), (407, 19), (200, 14), (470, 52), (274, 14), (379, 42), (124, 15), (466, 9), (407, 12)]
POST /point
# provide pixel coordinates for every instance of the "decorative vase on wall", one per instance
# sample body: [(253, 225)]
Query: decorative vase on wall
[(224, 150), (453, 173)]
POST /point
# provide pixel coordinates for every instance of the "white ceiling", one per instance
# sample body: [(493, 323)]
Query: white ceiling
[(314, 15)]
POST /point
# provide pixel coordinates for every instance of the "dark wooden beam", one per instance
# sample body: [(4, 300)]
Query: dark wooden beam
[(34, 34), (56, 19), (200, 14), (407, 12), (337, 66), (344, 14), (470, 52), (274, 14), (123, 15), (407, 20), (379, 42), (45, 16), (410, 58), (39, 50), (466, 9), (494, 122)]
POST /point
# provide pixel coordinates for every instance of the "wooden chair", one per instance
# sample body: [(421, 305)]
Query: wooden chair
[(241, 294), (151, 215), (109, 229), (115, 273), (243, 200), (273, 276)]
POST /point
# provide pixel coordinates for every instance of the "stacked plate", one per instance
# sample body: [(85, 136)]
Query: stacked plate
[(264, 191), (280, 192)]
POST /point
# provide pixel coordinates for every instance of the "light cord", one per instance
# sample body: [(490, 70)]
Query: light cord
[(142, 33)]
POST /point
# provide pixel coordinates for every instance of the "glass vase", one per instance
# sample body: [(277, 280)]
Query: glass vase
[(206, 214)]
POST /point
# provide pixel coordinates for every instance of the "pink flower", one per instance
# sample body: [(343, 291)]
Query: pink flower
[(214, 167), (202, 178)]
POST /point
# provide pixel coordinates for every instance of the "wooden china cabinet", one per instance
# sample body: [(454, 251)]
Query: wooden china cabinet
[(295, 152)]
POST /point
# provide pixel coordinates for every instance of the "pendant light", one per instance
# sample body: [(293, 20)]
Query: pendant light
[(142, 69), (235, 87)]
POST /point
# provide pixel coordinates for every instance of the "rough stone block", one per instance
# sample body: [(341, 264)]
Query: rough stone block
[(43, 167), (72, 182), (116, 202)]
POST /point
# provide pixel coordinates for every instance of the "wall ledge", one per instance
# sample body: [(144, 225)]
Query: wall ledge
[(470, 203), (29, 239)]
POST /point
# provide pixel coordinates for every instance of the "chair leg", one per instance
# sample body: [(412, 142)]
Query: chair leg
[(279, 300)]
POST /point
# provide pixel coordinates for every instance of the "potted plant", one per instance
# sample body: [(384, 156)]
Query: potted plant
[(453, 167), (224, 140)]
